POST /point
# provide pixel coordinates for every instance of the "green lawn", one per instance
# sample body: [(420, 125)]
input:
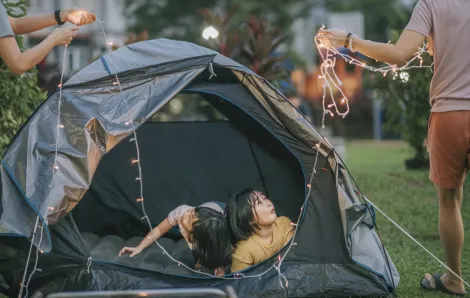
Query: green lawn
[(408, 197)]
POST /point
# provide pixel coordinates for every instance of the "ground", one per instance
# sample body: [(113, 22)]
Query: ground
[(408, 197)]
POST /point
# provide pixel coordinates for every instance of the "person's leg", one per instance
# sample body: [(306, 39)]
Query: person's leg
[(451, 232), (448, 146)]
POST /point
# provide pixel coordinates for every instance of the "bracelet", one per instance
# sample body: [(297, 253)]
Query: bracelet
[(57, 17)]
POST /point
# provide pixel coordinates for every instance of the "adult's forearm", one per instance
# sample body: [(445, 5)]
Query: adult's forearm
[(29, 24), (383, 52), (30, 58)]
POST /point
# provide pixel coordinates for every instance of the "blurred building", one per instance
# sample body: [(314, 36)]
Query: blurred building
[(89, 43)]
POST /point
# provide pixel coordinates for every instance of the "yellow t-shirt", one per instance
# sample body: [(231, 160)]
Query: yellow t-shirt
[(252, 251)]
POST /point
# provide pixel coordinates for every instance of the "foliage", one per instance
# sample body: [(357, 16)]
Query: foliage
[(253, 43), (260, 51), (232, 35), (170, 19), (20, 94), (245, 29), (407, 103)]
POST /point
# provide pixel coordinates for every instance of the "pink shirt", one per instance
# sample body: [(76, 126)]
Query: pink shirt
[(174, 217), (448, 23)]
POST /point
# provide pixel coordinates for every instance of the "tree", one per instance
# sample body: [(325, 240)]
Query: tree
[(20, 94)]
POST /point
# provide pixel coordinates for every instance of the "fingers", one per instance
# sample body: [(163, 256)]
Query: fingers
[(123, 251), (87, 18)]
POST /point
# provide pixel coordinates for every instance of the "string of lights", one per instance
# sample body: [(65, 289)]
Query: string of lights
[(330, 80), (55, 168)]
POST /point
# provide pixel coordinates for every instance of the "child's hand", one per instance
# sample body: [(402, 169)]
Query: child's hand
[(132, 250)]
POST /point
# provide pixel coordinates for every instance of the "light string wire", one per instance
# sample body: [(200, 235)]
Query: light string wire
[(329, 61), (55, 168)]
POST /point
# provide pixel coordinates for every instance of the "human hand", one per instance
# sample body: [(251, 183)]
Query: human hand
[(63, 36), (131, 250), (331, 38), (77, 16)]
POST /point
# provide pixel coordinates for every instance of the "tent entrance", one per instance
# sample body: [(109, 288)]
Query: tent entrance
[(185, 159)]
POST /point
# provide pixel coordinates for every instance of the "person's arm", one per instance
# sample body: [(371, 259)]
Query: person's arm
[(29, 24), (395, 54), (411, 39), (18, 62), (155, 234), (151, 237)]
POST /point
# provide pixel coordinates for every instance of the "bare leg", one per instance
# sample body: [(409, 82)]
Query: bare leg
[(452, 236)]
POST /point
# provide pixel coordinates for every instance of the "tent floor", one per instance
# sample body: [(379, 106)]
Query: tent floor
[(106, 249)]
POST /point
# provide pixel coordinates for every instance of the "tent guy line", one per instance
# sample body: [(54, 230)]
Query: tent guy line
[(416, 241)]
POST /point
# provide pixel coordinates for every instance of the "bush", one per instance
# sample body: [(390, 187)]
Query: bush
[(20, 94), (406, 97)]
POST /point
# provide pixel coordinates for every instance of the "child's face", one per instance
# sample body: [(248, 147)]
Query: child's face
[(265, 213), (187, 220)]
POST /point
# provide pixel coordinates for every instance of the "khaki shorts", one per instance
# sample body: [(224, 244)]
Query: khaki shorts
[(449, 148)]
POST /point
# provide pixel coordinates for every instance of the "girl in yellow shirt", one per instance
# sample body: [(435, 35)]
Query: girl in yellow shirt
[(257, 232)]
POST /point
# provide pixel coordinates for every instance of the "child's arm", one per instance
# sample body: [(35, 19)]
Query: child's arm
[(151, 237)]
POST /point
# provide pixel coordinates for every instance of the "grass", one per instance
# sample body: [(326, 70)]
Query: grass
[(409, 198)]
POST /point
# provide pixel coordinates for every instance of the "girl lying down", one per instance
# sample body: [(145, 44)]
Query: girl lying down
[(205, 230)]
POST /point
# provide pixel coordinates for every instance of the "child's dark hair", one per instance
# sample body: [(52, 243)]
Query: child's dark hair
[(240, 215), (211, 240)]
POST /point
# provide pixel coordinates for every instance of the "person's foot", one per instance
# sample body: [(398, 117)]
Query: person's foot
[(452, 285)]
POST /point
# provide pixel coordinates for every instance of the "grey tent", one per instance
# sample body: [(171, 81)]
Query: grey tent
[(88, 209)]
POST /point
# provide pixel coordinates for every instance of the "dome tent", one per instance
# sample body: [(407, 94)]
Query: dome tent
[(88, 207)]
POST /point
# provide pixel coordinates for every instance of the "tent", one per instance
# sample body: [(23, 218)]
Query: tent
[(89, 206)]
